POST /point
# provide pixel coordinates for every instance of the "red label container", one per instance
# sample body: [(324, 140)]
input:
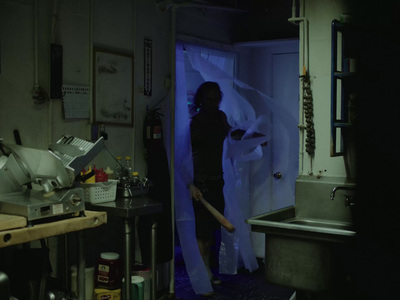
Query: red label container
[(108, 273)]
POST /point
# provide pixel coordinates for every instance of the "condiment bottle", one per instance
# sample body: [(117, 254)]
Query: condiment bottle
[(108, 273)]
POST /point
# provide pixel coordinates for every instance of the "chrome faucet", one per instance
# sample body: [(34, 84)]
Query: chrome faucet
[(349, 201), (347, 188)]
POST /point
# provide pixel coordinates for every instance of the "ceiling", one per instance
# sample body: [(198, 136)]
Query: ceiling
[(259, 6), (248, 20)]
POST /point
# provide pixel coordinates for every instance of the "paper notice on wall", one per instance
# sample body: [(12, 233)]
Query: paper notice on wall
[(76, 100)]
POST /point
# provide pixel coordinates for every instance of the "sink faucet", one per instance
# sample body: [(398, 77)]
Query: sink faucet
[(349, 201), (336, 188)]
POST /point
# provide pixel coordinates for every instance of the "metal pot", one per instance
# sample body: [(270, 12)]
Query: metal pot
[(124, 192)]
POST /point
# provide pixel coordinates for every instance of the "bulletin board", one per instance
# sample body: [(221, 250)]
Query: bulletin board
[(112, 88)]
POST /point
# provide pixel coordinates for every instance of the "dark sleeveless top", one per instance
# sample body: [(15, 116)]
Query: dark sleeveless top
[(208, 131)]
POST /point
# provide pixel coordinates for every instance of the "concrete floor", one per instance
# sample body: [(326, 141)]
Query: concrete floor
[(243, 286)]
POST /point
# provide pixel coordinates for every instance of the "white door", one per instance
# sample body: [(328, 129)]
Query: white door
[(274, 73), (285, 146)]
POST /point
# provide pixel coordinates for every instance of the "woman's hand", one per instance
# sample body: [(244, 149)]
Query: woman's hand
[(195, 193)]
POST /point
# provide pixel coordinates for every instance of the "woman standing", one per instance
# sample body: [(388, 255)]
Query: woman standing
[(208, 129)]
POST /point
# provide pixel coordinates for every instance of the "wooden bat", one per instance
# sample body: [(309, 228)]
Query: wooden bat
[(220, 218)]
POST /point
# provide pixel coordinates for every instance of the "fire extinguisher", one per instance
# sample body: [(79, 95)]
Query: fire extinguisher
[(153, 137), (160, 190)]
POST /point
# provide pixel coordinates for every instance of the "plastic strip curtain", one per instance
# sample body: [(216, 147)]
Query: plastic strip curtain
[(184, 215), (237, 246), (240, 115)]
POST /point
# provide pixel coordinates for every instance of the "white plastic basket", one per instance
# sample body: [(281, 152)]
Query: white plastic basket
[(100, 192)]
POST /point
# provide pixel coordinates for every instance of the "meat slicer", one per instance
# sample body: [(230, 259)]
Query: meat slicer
[(52, 173)]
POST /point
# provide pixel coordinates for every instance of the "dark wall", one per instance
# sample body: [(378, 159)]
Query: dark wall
[(378, 62)]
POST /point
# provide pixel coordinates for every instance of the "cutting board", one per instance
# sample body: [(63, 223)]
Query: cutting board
[(11, 222), (91, 219)]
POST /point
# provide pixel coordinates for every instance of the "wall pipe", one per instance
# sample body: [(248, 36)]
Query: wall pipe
[(134, 58), (54, 22), (304, 31), (304, 67), (172, 144), (35, 28), (91, 59), (52, 41), (38, 93)]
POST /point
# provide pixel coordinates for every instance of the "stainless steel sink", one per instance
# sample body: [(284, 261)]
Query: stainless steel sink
[(322, 224), (308, 246), (285, 222)]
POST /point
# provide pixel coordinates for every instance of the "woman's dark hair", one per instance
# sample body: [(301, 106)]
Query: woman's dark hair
[(208, 95)]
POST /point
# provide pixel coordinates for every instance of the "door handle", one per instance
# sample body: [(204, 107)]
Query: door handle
[(278, 175)]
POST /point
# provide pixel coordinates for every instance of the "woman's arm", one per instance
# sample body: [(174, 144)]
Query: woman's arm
[(238, 134)]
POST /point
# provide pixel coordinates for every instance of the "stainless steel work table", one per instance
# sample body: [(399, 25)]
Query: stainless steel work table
[(129, 208)]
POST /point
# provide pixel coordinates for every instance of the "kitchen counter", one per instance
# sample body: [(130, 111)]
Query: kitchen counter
[(128, 207)]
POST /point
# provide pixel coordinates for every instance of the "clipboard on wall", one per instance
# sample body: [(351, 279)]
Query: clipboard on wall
[(76, 100)]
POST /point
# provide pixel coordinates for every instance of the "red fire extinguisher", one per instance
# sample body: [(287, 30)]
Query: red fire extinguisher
[(153, 136), (159, 179)]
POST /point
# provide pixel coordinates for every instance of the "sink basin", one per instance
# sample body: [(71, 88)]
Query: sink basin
[(320, 224), (286, 222), (306, 254)]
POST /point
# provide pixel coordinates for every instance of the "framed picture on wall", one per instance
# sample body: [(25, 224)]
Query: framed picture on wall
[(112, 88)]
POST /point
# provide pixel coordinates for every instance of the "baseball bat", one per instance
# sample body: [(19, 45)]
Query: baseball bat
[(220, 218)]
